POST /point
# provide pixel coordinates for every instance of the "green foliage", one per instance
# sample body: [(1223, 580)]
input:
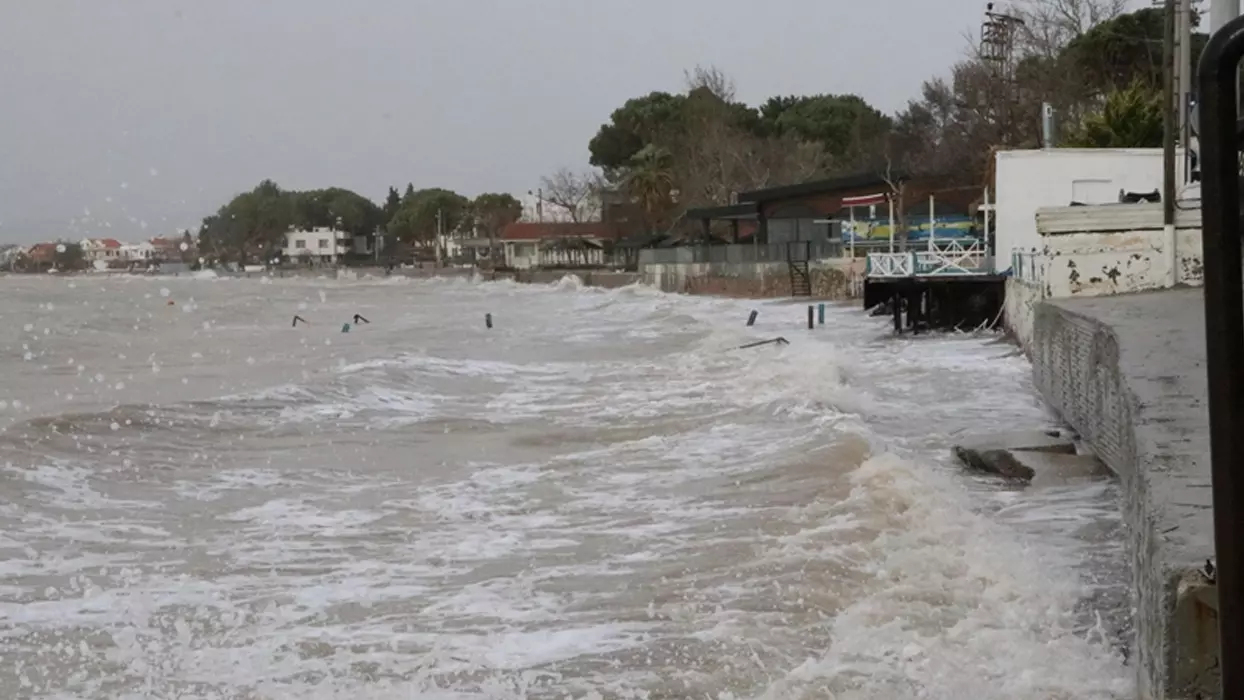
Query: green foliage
[(336, 207), (69, 256), (492, 211), (1131, 118), (256, 221), (416, 220), (844, 124), (650, 181), (392, 203), (1127, 49), (638, 122)]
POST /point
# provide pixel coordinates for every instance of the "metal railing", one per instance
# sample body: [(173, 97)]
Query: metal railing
[(890, 265), (952, 257)]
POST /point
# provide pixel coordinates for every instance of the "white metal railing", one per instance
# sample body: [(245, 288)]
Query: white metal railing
[(1028, 267), (953, 259), (891, 265)]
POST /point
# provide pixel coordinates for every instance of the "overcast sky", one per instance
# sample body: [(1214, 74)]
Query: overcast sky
[(157, 111)]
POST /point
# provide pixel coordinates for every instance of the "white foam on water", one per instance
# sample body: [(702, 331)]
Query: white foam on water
[(600, 497)]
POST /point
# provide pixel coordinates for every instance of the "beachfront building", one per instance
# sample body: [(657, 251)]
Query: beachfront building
[(558, 244), (103, 251), (141, 253), (320, 245)]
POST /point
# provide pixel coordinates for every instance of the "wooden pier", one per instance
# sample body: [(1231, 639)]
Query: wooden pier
[(947, 286)]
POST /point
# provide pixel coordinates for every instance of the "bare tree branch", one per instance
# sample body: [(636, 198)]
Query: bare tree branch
[(576, 194)]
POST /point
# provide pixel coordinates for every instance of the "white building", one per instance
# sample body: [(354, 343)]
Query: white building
[(556, 244), (1028, 180), (138, 252), (321, 245), (101, 250)]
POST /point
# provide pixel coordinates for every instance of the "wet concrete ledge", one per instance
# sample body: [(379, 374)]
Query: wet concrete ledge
[(1128, 374)]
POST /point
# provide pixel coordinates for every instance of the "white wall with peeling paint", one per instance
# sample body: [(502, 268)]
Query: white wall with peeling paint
[(1102, 250)]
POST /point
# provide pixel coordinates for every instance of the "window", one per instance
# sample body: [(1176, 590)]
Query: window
[(300, 243), (323, 243)]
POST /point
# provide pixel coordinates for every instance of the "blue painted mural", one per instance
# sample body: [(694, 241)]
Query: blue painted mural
[(917, 228)]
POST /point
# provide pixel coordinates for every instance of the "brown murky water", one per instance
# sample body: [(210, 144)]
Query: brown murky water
[(599, 497)]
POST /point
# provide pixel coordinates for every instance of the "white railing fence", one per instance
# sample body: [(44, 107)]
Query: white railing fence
[(953, 259), (891, 264)]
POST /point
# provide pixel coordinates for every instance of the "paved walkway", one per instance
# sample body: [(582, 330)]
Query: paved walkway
[(1161, 338), (1129, 373)]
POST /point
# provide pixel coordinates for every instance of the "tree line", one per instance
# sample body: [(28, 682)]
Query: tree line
[(1098, 66), (253, 224)]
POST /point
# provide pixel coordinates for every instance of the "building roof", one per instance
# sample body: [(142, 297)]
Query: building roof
[(535, 231), (815, 187), (750, 203)]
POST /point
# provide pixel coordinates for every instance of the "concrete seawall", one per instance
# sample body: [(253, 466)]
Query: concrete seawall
[(834, 278), (1128, 373)]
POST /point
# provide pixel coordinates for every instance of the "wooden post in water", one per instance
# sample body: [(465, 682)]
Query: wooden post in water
[(811, 325)]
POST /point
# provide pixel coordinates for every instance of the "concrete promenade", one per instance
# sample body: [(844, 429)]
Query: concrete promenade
[(1128, 373)]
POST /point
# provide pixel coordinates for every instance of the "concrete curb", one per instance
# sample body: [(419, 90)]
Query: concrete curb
[(1124, 373)]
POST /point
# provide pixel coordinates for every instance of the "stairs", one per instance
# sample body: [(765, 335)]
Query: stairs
[(800, 281)]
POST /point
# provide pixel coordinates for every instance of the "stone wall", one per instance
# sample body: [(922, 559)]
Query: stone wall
[(830, 279), (1118, 371)]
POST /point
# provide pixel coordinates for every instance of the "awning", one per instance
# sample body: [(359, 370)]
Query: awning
[(864, 200)]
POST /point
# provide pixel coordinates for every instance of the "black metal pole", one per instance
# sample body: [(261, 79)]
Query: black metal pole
[(1224, 336), (1168, 114)]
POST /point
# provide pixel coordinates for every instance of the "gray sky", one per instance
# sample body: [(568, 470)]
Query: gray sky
[(160, 110)]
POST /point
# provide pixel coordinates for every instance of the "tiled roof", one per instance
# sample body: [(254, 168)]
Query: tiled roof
[(531, 231)]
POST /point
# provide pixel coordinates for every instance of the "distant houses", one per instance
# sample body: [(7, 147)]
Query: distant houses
[(97, 253)]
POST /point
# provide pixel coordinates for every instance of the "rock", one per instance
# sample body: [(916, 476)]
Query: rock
[(994, 461), (998, 453)]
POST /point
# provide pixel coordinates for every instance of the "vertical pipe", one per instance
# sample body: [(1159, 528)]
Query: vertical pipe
[(1224, 335), (932, 225), (1183, 98), (892, 224), (1168, 121), (985, 233), (851, 243)]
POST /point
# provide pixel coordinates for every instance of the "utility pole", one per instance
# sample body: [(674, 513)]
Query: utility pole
[(1168, 120), (1183, 94), (440, 232)]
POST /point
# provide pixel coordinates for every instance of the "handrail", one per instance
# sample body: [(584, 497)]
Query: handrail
[(1224, 335)]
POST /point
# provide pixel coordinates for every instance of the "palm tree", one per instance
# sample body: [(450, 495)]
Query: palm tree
[(1130, 118), (651, 181)]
